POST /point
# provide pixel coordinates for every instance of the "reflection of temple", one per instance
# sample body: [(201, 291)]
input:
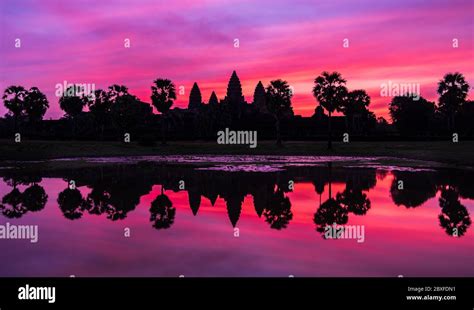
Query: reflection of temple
[(117, 190)]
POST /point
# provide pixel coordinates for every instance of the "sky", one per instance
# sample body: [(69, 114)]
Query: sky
[(405, 41)]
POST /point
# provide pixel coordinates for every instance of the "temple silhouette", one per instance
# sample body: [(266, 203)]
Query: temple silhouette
[(115, 111)]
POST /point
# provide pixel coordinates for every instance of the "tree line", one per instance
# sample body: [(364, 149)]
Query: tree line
[(411, 114)]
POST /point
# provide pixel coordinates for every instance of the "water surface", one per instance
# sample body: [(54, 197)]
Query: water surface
[(204, 216)]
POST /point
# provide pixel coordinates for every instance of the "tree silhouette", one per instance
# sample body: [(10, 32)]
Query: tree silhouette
[(73, 101), (328, 213), (71, 203), (278, 99), (162, 212), (411, 114), (330, 91), (453, 90), (14, 101), (355, 107), (116, 91), (98, 201), (36, 105), (34, 198), (417, 188), (100, 106), (127, 111), (163, 92), (15, 200), (354, 201), (454, 217), (278, 214)]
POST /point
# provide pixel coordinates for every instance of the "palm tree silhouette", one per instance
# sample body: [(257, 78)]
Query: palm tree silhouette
[(163, 92), (453, 90), (330, 211), (162, 211), (278, 214), (330, 91), (278, 99)]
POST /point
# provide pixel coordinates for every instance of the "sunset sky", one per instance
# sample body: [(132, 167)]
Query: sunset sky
[(405, 41)]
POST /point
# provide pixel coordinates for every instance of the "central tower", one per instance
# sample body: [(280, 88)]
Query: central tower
[(234, 97)]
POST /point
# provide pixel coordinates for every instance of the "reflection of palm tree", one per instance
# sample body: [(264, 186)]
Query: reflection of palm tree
[(454, 217), (330, 90), (279, 214), (71, 203), (330, 211), (319, 188), (34, 198), (453, 90), (162, 212)]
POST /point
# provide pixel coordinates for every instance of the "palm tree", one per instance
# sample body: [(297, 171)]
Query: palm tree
[(14, 100), (453, 91), (278, 99), (163, 92), (330, 91)]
